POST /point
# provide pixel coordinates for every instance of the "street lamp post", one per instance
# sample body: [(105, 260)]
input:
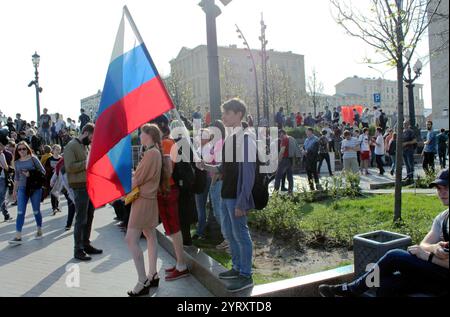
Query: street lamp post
[(241, 36), (212, 11), (36, 59), (410, 85)]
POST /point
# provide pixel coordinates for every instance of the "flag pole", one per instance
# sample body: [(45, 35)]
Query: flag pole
[(177, 115)]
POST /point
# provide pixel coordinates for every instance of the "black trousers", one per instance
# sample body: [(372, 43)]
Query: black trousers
[(119, 209), (443, 157), (187, 214), (380, 163), (428, 161), (55, 202), (326, 157), (311, 171), (72, 209)]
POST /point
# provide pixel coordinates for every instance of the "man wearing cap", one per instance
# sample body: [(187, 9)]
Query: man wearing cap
[(422, 269)]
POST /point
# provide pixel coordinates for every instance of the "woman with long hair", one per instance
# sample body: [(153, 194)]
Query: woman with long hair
[(24, 163), (144, 217)]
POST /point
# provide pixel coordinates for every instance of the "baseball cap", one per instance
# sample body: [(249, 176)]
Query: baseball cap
[(441, 180)]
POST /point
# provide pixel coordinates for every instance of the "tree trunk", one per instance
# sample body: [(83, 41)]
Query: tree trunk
[(399, 150), (400, 111)]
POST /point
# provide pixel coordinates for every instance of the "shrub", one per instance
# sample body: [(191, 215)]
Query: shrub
[(424, 182)]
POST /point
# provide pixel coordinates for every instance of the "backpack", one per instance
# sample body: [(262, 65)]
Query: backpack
[(260, 190), (294, 148), (184, 173)]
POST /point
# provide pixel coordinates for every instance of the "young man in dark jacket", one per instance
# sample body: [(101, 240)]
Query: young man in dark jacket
[(238, 170)]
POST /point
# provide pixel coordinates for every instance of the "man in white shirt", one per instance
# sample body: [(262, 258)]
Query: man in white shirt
[(377, 115), (379, 150), (350, 146), (364, 142)]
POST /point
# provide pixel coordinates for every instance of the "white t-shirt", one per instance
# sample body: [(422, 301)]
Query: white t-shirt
[(377, 114), (353, 142), (59, 125), (379, 148), (364, 142)]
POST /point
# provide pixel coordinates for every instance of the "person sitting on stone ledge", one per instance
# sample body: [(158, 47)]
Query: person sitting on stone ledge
[(423, 269)]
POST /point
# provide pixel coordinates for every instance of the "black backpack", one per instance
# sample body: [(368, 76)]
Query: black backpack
[(183, 172), (186, 175), (260, 188)]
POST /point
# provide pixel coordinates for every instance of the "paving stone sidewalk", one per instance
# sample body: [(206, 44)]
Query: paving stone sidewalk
[(42, 267)]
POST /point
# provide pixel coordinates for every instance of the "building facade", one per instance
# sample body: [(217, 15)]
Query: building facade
[(236, 78), (362, 91), (91, 104), (438, 38)]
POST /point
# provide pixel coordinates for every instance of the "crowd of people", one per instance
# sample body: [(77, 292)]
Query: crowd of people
[(35, 163), (353, 144)]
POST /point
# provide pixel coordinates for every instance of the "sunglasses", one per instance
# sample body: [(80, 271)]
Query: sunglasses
[(22, 149)]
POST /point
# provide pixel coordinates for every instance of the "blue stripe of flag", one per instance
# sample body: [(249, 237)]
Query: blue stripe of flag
[(121, 158)]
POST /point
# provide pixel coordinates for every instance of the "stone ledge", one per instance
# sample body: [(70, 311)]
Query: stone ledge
[(205, 269), (304, 286)]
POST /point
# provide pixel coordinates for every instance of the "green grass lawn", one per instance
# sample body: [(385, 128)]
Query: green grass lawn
[(336, 222), (333, 223)]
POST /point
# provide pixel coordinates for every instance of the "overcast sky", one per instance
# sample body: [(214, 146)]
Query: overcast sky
[(75, 41)]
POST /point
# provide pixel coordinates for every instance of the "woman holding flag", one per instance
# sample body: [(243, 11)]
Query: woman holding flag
[(144, 217)]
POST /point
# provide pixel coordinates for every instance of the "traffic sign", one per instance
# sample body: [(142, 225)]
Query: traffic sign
[(377, 98)]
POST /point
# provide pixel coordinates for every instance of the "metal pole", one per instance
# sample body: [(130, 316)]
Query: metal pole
[(255, 74), (212, 11), (38, 104), (410, 86)]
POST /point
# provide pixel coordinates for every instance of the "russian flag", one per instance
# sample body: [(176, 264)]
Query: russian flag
[(133, 95)]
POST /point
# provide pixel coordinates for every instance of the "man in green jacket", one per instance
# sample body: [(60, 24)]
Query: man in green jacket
[(75, 162)]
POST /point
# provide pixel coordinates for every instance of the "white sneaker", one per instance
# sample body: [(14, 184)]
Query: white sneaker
[(223, 246)]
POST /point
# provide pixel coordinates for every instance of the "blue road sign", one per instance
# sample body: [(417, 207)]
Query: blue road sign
[(377, 98)]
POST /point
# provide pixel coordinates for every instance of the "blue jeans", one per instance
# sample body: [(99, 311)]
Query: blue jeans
[(402, 273), (22, 201), (408, 157), (236, 232), (200, 202), (46, 135), (394, 163), (216, 201), (285, 168)]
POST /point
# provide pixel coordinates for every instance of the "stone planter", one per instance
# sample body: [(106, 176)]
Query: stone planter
[(370, 247)]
